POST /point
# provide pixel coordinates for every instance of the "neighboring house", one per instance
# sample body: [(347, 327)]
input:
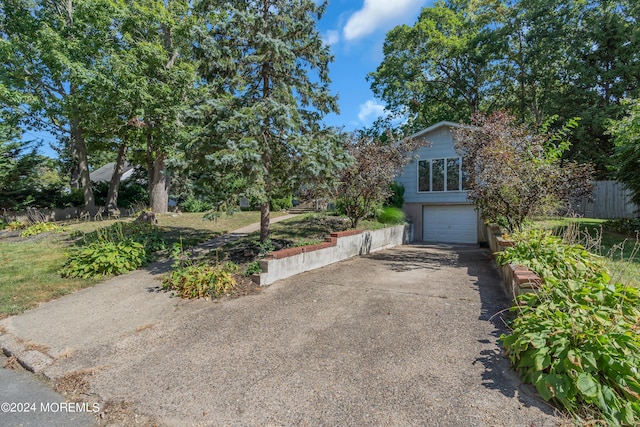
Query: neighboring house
[(104, 173), (435, 199)]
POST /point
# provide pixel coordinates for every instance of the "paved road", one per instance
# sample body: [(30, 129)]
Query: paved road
[(402, 337), (26, 400)]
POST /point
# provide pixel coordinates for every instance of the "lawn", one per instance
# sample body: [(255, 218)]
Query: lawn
[(620, 250), (29, 267)]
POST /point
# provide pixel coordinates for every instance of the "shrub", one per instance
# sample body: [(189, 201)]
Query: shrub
[(116, 249), (149, 235), (16, 225), (630, 226), (41, 227), (202, 280), (396, 199), (578, 343), (192, 204), (253, 268), (103, 258), (281, 204), (391, 215)]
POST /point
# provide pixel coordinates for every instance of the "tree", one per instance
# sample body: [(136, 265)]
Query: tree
[(266, 70), (626, 136), (367, 182), (515, 173), (534, 58), (442, 68), (48, 50)]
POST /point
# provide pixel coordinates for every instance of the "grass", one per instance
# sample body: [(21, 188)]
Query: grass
[(29, 268), (29, 274), (621, 250)]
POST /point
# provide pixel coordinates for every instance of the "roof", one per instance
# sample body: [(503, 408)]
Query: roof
[(438, 125), (104, 173)]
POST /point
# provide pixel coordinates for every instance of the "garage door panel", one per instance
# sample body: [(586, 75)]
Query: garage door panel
[(450, 224)]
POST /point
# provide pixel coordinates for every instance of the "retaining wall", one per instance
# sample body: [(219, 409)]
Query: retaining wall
[(517, 279), (337, 247)]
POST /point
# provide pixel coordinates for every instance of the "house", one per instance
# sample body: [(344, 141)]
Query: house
[(104, 173), (435, 199)]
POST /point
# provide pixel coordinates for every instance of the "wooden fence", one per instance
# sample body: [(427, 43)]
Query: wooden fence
[(610, 199)]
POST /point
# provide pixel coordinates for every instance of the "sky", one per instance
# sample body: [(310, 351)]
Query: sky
[(355, 30)]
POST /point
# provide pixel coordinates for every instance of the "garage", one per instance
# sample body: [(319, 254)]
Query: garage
[(450, 224)]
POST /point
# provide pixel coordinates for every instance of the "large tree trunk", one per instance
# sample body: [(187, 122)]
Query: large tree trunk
[(118, 170), (77, 139), (160, 183)]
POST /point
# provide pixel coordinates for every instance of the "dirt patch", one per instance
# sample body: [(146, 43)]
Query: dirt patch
[(244, 286), (11, 363), (75, 385), (119, 413)]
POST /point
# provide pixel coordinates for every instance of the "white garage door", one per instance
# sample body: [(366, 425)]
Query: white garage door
[(450, 224)]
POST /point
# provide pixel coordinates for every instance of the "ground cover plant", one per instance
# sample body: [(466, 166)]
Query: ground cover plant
[(576, 339), (115, 249), (41, 227), (191, 279)]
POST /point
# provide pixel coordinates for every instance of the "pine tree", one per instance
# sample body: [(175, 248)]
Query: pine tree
[(266, 69)]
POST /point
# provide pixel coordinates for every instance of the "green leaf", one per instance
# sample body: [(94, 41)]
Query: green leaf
[(587, 385)]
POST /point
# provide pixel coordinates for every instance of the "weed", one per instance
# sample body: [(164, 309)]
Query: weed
[(11, 363), (253, 268)]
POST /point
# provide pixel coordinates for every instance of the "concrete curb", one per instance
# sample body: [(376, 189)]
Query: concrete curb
[(31, 359)]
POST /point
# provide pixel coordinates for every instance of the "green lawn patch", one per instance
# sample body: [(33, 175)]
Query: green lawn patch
[(29, 274)]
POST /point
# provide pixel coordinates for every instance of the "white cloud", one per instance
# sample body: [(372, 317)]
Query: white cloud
[(331, 37), (370, 110), (379, 14)]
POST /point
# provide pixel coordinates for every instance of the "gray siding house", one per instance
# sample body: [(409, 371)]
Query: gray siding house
[(435, 199)]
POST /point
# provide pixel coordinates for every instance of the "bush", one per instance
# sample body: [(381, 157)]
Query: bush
[(192, 204), (201, 281), (391, 215), (41, 227), (130, 194), (630, 226), (281, 204), (253, 268), (103, 258), (396, 199), (578, 343), (576, 339)]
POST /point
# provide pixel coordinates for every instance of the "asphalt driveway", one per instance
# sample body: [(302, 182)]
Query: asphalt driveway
[(403, 337)]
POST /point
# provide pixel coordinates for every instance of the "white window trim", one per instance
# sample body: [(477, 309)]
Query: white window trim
[(430, 162)]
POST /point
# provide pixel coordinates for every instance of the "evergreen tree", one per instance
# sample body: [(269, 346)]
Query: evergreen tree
[(266, 73)]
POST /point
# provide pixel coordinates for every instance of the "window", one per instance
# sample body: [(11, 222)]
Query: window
[(441, 175), (424, 175)]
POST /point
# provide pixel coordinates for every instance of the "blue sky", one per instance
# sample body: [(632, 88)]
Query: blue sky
[(355, 30)]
